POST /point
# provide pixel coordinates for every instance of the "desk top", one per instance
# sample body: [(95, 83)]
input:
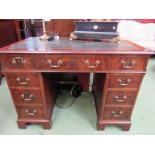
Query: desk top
[(65, 46)]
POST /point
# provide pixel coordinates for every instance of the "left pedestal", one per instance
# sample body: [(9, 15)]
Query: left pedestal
[(32, 98)]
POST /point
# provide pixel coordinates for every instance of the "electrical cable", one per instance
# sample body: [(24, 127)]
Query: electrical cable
[(74, 93)]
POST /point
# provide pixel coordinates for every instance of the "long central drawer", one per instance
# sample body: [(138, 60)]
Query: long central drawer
[(85, 63)]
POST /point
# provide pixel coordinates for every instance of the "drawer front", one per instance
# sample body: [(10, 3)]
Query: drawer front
[(72, 63), (27, 96), (32, 112), (94, 63), (124, 80), (112, 113), (18, 62), (127, 63), (23, 79), (120, 97)]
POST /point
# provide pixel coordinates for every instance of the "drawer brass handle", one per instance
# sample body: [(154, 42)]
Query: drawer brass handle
[(92, 66), (117, 113), (31, 112), (124, 82), (18, 60), (128, 64), (28, 97), (22, 82), (120, 98), (59, 63)]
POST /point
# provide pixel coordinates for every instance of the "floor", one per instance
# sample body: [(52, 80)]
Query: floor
[(80, 118)]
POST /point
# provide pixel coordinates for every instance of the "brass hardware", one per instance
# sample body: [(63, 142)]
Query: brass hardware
[(31, 112), (27, 97), (120, 98), (117, 113), (59, 63), (18, 60), (20, 82), (128, 64), (124, 82), (92, 66)]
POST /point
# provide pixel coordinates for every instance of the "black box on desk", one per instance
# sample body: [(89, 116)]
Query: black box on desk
[(96, 30)]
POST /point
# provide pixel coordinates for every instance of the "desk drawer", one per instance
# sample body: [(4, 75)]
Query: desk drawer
[(23, 79), (127, 63), (120, 97), (32, 112), (18, 62), (124, 80), (72, 63), (94, 63), (26, 96), (113, 113)]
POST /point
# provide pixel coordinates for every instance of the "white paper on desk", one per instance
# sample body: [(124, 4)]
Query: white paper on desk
[(142, 34)]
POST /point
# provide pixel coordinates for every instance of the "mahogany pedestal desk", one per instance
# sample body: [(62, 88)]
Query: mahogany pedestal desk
[(31, 66)]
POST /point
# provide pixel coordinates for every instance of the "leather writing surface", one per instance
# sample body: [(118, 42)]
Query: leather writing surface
[(36, 44)]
